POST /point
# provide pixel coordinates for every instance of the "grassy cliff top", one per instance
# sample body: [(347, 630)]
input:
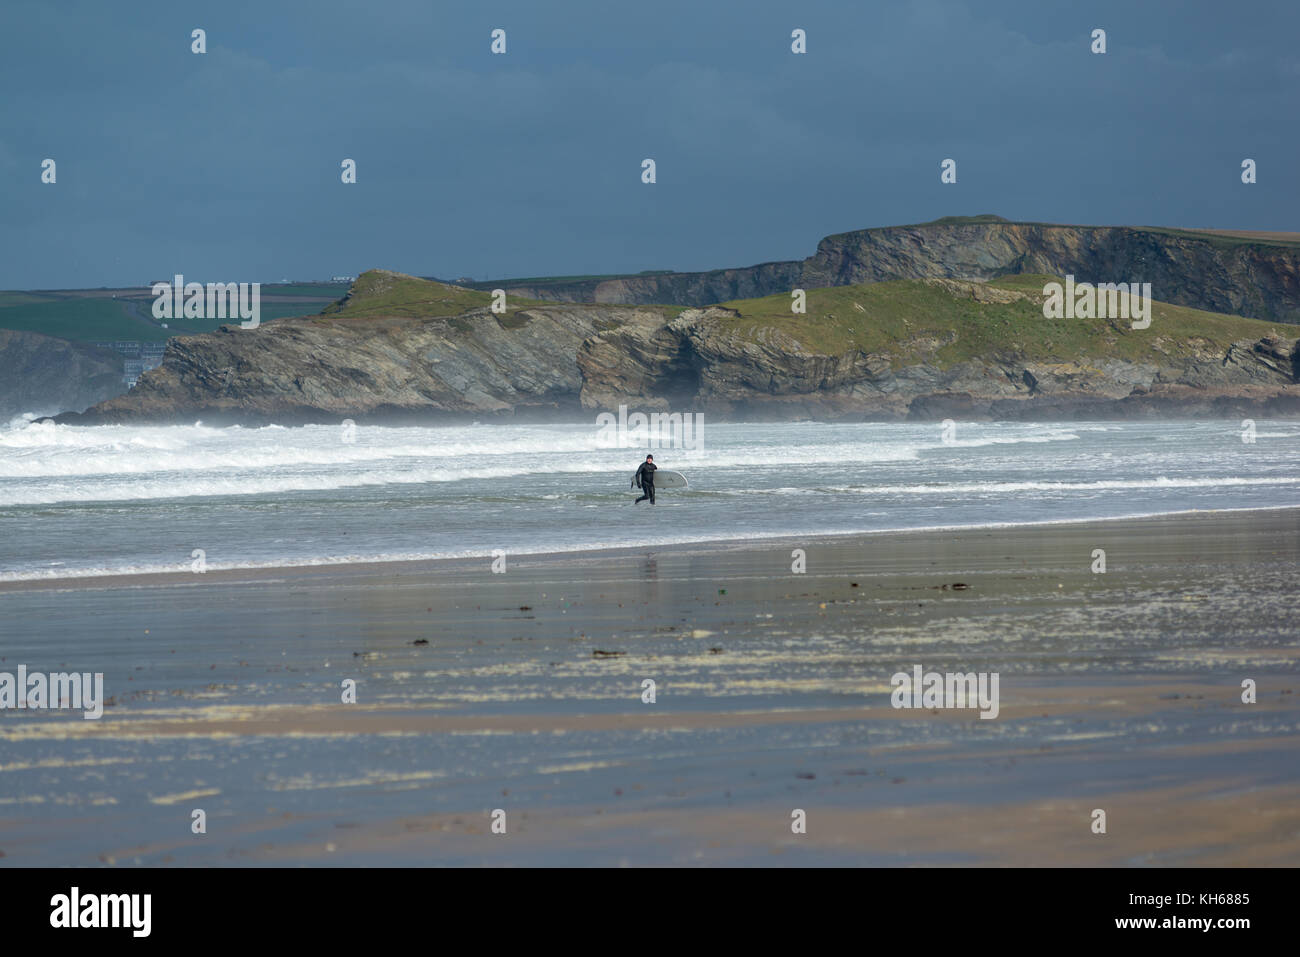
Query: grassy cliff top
[(966, 220), (382, 293), (379, 292), (914, 320)]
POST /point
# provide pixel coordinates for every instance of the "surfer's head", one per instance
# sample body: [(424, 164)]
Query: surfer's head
[(649, 458)]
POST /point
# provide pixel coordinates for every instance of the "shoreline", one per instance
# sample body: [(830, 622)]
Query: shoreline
[(1172, 401), (464, 563), (524, 691)]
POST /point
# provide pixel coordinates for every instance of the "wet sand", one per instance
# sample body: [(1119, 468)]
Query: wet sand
[(1118, 691)]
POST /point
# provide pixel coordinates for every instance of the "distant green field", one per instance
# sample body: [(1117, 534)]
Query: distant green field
[(92, 319), (331, 290), (21, 299), (79, 319)]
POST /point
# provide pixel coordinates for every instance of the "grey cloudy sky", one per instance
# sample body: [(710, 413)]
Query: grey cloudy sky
[(225, 166)]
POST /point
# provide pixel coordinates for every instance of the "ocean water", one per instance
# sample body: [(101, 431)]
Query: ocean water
[(84, 501)]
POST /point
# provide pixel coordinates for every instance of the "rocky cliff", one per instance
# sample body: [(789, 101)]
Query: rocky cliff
[(324, 369), (1230, 273), (915, 349), (42, 375)]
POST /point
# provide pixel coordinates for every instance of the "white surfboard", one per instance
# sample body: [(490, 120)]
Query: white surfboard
[(667, 478)]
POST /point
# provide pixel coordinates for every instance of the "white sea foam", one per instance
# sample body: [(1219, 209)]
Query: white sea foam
[(1000, 488), (78, 501), (50, 463)]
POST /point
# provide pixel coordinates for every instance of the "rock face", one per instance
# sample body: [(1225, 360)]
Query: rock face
[(44, 375), (320, 369), (568, 360), (1260, 280), (740, 378), (382, 353)]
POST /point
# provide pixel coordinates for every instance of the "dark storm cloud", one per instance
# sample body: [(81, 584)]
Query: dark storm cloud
[(226, 165)]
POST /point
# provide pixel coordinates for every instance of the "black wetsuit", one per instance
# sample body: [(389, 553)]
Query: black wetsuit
[(645, 477)]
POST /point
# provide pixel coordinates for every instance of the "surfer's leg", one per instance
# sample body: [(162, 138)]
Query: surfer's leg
[(650, 490)]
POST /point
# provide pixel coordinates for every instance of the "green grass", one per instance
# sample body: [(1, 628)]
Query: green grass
[(1023, 282), (966, 220), (911, 321), (379, 293), (376, 293)]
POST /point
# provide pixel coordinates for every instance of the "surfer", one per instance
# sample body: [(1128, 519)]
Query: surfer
[(645, 479)]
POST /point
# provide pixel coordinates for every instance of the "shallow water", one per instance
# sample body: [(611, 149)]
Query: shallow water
[(94, 500)]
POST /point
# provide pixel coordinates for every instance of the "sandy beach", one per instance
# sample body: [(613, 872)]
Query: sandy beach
[(523, 692)]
